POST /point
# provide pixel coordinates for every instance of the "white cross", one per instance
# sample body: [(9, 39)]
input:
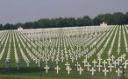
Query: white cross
[(104, 63), (110, 67), (57, 68), (92, 70), (77, 65), (99, 66), (118, 71), (68, 69), (57, 60), (88, 66), (80, 69), (112, 57), (46, 68), (105, 71), (99, 60), (84, 61), (109, 60), (94, 62)]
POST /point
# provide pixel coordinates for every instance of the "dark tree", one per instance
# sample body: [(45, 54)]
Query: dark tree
[(111, 19), (84, 21)]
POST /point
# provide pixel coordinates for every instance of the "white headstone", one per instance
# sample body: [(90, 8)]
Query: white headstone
[(46, 68), (57, 68), (68, 69), (105, 71), (92, 70), (80, 69), (118, 71)]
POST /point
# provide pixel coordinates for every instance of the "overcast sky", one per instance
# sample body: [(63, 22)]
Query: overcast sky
[(13, 11)]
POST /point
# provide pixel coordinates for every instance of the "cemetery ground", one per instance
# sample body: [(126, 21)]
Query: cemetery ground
[(94, 52)]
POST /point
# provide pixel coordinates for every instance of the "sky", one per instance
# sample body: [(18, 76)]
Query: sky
[(14, 11)]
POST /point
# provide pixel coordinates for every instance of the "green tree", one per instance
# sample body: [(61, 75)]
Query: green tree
[(84, 21), (119, 18)]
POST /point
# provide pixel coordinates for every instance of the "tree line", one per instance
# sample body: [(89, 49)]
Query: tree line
[(111, 19)]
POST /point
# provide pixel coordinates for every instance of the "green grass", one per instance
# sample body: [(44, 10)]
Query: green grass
[(10, 71), (34, 74)]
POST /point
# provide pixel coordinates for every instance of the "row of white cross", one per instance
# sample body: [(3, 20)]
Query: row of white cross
[(92, 69), (29, 44), (66, 46), (44, 51)]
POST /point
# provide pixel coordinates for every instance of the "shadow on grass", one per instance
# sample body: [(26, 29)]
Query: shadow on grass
[(14, 70)]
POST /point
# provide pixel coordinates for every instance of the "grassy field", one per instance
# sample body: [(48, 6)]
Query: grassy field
[(25, 54), (30, 74)]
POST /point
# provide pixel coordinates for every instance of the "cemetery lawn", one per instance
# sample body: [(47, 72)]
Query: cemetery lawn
[(25, 54), (28, 74)]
